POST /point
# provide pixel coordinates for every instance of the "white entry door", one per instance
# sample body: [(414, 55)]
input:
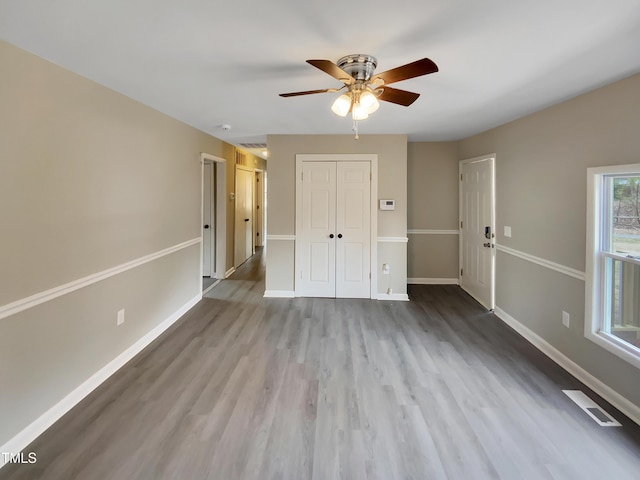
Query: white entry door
[(334, 238), (477, 229), (244, 215)]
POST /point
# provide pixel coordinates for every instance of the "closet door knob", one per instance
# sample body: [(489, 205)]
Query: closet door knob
[(331, 235), (339, 235)]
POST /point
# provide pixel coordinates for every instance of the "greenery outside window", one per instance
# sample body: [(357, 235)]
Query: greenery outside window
[(613, 260)]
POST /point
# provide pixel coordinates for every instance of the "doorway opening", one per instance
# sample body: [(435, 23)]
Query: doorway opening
[(244, 241), (214, 221)]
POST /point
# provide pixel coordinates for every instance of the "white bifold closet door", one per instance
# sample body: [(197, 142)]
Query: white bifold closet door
[(335, 240)]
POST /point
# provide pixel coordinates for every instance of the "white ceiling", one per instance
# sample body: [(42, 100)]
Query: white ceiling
[(212, 62)]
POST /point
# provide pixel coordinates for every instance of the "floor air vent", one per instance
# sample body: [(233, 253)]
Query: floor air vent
[(592, 409)]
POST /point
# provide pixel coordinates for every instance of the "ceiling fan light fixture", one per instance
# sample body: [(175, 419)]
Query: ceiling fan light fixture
[(369, 102), (358, 112), (342, 105)]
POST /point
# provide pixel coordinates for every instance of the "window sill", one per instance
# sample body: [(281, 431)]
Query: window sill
[(618, 347)]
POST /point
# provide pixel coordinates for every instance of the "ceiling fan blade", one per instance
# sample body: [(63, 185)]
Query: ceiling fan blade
[(332, 69), (405, 72), (400, 97), (308, 92)]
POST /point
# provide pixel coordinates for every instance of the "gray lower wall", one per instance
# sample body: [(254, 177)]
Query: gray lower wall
[(541, 163), (89, 180), (49, 350)]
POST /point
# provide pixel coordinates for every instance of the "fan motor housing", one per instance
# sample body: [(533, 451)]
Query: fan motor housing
[(359, 66)]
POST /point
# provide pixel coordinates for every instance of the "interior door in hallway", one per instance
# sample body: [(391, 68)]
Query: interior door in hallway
[(244, 215), (208, 220), (334, 238), (477, 229)]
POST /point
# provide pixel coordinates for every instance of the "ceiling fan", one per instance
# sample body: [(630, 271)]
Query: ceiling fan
[(363, 87)]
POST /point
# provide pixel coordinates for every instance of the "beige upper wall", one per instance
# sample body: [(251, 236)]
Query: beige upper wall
[(392, 175), (90, 178), (432, 185)]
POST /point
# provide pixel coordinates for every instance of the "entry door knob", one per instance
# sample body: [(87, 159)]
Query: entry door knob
[(206, 226)]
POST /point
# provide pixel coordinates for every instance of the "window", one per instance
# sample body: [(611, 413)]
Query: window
[(613, 260)]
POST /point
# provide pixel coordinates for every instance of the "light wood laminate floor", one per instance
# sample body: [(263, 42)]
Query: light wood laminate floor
[(244, 387)]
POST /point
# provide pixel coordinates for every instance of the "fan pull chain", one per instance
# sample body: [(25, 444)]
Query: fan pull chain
[(355, 129)]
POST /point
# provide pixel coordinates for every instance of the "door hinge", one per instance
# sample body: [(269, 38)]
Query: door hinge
[(461, 271), (461, 177), (302, 176), (369, 275), (370, 176), (460, 223)]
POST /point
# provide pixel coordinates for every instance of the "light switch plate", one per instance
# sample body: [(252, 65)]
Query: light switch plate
[(507, 231)]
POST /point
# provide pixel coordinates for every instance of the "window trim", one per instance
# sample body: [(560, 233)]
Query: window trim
[(595, 301)]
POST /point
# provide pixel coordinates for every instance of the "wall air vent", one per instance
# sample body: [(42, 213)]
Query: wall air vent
[(254, 145)]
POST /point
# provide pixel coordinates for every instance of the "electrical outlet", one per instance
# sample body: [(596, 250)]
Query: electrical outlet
[(386, 269), (120, 319), (566, 319), (389, 291)]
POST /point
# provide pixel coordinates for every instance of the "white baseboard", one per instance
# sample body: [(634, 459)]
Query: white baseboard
[(229, 272), (432, 281), (398, 297), (211, 287), (279, 294), (605, 391), (35, 429)]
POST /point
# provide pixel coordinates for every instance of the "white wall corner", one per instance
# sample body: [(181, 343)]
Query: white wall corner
[(605, 391)]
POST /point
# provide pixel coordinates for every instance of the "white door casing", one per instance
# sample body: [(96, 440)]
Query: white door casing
[(477, 228), (334, 199), (258, 209)]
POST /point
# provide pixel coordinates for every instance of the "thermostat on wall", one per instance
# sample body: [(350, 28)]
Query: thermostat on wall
[(387, 204)]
